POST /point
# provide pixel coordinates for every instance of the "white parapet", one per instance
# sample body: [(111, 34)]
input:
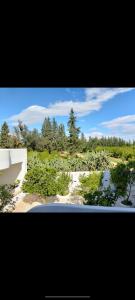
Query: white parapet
[(4, 159), (13, 165)]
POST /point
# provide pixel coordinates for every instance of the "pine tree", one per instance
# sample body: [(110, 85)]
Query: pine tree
[(54, 134), (73, 133), (83, 143), (5, 139), (47, 134), (61, 138)]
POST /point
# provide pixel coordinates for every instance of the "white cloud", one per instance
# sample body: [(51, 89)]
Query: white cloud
[(94, 97), (119, 121), (124, 125), (97, 134), (104, 94)]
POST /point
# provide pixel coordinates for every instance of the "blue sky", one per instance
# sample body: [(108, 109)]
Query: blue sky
[(99, 111)]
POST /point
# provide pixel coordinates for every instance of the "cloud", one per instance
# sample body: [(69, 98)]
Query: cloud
[(94, 97), (103, 94), (97, 134), (124, 125), (119, 121)]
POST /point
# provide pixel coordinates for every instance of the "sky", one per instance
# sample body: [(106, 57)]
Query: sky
[(99, 111)]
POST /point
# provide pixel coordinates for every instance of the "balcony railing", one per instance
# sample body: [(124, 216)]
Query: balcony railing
[(60, 208)]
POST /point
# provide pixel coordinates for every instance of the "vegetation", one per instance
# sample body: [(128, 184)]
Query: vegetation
[(123, 177), (45, 181), (52, 154), (92, 192), (52, 137), (4, 136), (92, 161), (124, 152), (6, 194), (74, 131), (103, 198), (91, 183)]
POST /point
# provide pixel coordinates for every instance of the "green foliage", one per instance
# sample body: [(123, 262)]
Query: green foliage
[(6, 194), (40, 180), (53, 137), (82, 143), (5, 139), (102, 198), (92, 161), (45, 181), (119, 177), (92, 193), (119, 152), (73, 133), (123, 177), (91, 183), (63, 181), (97, 161)]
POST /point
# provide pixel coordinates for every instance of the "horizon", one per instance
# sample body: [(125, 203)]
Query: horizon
[(106, 112)]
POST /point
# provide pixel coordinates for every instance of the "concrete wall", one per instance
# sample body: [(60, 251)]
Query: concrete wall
[(15, 167)]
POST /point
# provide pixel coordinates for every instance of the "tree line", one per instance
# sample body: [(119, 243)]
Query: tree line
[(53, 137)]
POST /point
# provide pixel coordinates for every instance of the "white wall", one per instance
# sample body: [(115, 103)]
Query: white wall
[(13, 165)]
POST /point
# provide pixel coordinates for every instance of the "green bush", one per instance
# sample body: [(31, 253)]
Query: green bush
[(123, 177), (119, 177), (124, 152), (90, 183), (45, 181), (92, 161), (63, 181), (40, 180), (6, 195), (102, 198)]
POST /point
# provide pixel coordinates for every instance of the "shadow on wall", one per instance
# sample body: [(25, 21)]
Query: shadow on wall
[(10, 175)]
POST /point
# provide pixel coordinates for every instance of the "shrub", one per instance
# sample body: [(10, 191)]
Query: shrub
[(123, 177), (63, 181), (45, 181), (91, 183), (118, 152), (119, 177), (40, 180), (6, 195), (102, 198), (92, 161)]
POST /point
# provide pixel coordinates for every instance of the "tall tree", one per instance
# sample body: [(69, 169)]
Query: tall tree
[(83, 143), (73, 133), (22, 133), (62, 138), (5, 139), (47, 134), (54, 134)]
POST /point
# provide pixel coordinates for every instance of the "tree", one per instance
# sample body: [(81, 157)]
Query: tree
[(22, 133), (83, 143), (73, 132), (47, 134), (61, 138), (5, 139), (54, 134)]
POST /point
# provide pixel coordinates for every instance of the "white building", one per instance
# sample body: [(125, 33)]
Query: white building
[(13, 165)]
